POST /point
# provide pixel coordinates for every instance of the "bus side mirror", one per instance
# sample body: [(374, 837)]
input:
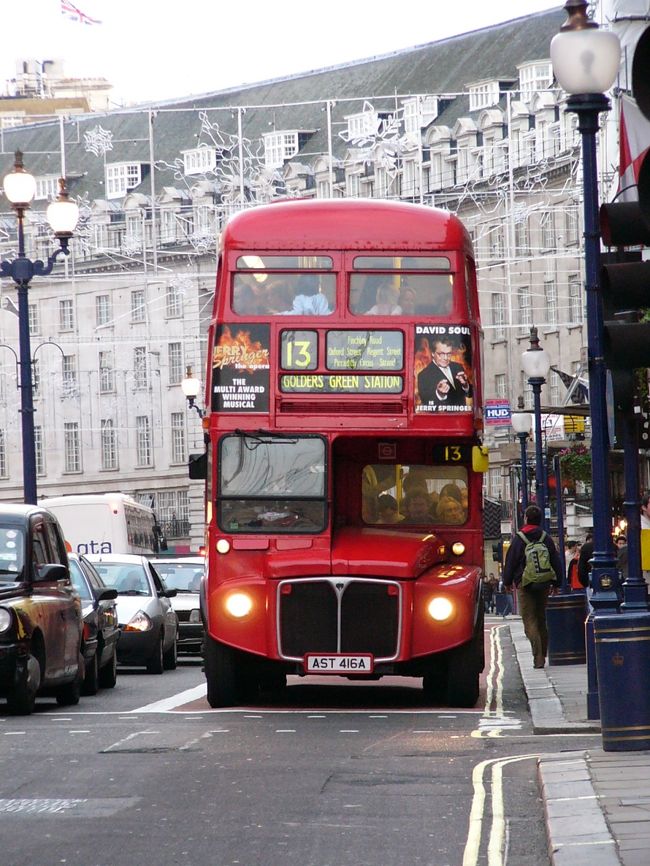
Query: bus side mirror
[(480, 458), (198, 465)]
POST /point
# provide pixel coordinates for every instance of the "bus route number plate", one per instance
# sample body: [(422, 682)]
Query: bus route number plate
[(338, 663)]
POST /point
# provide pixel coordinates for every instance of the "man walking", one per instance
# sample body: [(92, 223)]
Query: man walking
[(533, 565)]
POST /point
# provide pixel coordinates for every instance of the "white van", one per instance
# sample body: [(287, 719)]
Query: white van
[(106, 523)]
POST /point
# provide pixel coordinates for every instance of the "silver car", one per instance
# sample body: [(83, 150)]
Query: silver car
[(185, 574), (147, 619)]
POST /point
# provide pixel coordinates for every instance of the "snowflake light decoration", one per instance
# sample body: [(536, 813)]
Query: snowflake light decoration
[(98, 140)]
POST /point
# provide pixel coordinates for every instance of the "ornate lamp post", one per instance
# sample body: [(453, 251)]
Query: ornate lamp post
[(192, 388), (586, 62), (536, 364), (521, 423), (62, 215)]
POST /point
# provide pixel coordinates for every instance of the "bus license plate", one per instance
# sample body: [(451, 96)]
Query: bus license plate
[(338, 663)]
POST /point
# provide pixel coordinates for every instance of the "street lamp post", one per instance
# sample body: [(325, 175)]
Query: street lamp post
[(62, 215), (536, 364), (191, 388), (521, 424), (586, 61)]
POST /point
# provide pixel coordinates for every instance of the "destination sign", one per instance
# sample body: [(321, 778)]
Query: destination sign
[(303, 383), (365, 350)]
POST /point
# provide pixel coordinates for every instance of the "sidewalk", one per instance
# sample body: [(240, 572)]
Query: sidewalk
[(597, 803)]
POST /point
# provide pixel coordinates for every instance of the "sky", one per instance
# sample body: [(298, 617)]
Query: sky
[(155, 50)]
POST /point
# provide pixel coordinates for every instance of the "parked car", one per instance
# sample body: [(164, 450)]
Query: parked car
[(40, 612), (184, 574), (101, 631), (148, 622)]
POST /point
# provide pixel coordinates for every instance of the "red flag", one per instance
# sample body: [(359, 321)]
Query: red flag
[(633, 146), (75, 14)]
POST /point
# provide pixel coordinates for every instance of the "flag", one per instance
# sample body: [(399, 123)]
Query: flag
[(75, 14), (578, 388), (634, 141)]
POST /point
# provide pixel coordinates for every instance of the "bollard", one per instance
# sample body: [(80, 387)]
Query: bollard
[(623, 660), (565, 620)]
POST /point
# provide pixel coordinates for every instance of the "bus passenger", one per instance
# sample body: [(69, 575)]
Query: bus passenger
[(417, 505), (280, 298), (449, 510), (308, 300), (387, 509), (386, 301), (407, 300)]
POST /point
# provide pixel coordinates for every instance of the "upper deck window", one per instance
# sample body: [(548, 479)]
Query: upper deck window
[(267, 288), (403, 289)]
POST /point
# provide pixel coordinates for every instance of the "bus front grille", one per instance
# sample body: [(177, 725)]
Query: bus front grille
[(338, 615)]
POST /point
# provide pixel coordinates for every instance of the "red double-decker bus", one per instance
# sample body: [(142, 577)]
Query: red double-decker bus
[(343, 501)]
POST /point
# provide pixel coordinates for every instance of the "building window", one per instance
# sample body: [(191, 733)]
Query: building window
[(575, 300), (34, 319), (36, 377), (554, 388), (279, 147), (174, 301), (527, 391), (522, 243), (137, 305), (46, 188), (173, 512), (66, 315), (178, 437), (534, 77), (175, 361), (143, 440), (71, 447), (495, 482), (483, 95), (199, 160), (167, 225), (500, 387), (353, 185), (102, 310), (525, 307), (69, 373), (571, 226), (140, 377), (499, 315), (3, 453), (547, 225), (550, 297), (108, 444), (106, 373), (39, 452), (121, 177)]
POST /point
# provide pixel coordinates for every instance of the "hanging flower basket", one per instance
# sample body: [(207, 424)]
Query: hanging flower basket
[(576, 463)]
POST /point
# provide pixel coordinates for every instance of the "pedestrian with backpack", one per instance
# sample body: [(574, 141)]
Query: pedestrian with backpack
[(534, 567)]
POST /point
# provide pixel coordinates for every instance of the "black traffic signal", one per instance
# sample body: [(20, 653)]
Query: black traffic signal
[(497, 551), (624, 276)]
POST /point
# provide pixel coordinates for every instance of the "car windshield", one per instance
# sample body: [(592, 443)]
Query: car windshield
[(12, 545), (185, 577), (128, 578), (78, 580)]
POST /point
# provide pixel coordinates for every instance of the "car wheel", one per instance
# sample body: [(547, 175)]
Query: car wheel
[(108, 674), (155, 664), (69, 694), (170, 658), (28, 680), (91, 679)]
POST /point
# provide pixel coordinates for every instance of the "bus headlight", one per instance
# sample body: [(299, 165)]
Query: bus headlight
[(223, 545), (458, 548), (239, 604), (5, 620), (440, 609)]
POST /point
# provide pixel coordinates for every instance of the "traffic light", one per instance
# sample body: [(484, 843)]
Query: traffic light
[(625, 276), (497, 551)]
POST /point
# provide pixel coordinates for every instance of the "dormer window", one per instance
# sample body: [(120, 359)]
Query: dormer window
[(199, 160), (483, 94), (122, 177), (279, 147), (419, 112), (47, 187), (534, 77), (362, 125)]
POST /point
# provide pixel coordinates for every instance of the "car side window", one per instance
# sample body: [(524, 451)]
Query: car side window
[(158, 583), (39, 546), (91, 575), (57, 546)]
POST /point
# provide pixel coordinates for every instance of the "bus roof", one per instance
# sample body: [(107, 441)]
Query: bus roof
[(346, 224)]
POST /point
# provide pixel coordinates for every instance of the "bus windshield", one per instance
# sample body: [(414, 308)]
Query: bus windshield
[(415, 495), (272, 484)]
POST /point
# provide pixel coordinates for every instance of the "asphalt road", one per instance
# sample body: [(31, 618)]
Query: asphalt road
[(333, 774)]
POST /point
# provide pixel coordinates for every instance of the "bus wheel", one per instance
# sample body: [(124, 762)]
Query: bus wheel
[(463, 678), (434, 683), (220, 673), (273, 682)]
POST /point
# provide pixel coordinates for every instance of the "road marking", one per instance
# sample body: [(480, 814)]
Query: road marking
[(127, 739), (38, 806), (14, 733), (174, 701)]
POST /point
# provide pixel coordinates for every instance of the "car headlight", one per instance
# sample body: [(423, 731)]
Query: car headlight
[(239, 604), (139, 622), (195, 615), (5, 620), (440, 609)]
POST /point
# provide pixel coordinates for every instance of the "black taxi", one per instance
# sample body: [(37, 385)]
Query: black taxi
[(40, 612)]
